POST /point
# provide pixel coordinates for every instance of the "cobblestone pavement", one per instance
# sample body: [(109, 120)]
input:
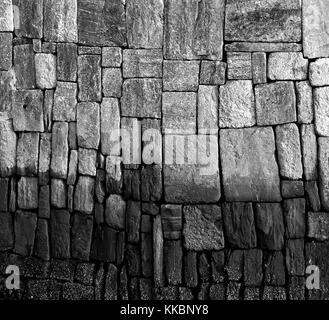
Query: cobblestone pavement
[(217, 185)]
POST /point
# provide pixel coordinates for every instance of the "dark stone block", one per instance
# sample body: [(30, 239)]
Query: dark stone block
[(218, 266), (6, 231), (151, 183), (111, 283), (43, 290), (204, 268), (121, 247), (190, 269), (24, 66), (171, 216), (84, 273), (62, 270), (4, 194), (60, 234), (146, 289), (294, 213), (67, 62), (275, 274), (173, 256), (292, 189), (42, 246), (147, 254), (312, 195), (133, 220), (217, 292), (234, 265), (76, 291), (295, 261), (253, 274), (131, 184), (104, 244), (133, 260)]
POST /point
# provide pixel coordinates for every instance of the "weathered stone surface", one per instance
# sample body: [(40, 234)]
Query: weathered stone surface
[(44, 158), (133, 221), (147, 254), (239, 65), (49, 47), (67, 59), (275, 274), (82, 50), (102, 23), (319, 70), (89, 78), (259, 67), (263, 47), (202, 228), (73, 167), (115, 213), (62, 270), (304, 96), (45, 68), (315, 29), (292, 189), (271, 21), (60, 234), (27, 154), (251, 294), (84, 273), (87, 162), (114, 178), (111, 57), (287, 66), (100, 189), (24, 66), (321, 111), (204, 268), (84, 195), (48, 109), (37, 45), (65, 102), (6, 16), (274, 293), (88, 125), (144, 23), (76, 291), (4, 192), (234, 265), (324, 171), (58, 193), (25, 225), (212, 72), (73, 136), (239, 224), (295, 262), (294, 214), (44, 202), (41, 246), (12, 195), (270, 226), (28, 110), (318, 225), (275, 103), (252, 269), (236, 104), (191, 183), (60, 148), (151, 142), (173, 261), (82, 229), (70, 198), (60, 20), (158, 252), (121, 247), (112, 82), (7, 87), (141, 98), (296, 288), (8, 141), (104, 244), (309, 151), (142, 63), (27, 193), (289, 151), (201, 37), (6, 231), (171, 217), (6, 51), (312, 195), (133, 260), (250, 172), (207, 109), (190, 269), (110, 126), (151, 183), (218, 266), (111, 283), (131, 190), (146, 223), (180, 75)]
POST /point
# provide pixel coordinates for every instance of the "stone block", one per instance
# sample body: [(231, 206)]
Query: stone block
[(115, 212), (171, 217), (259, 67), (27, 154), (321, 110), (309, 151), (207, 110), (24, 66), (294, 211), (65, 102), (67, 62), (304, 95), (6, 231), (58, 193), (6, 16), (239, 66), (45, 68), (6, 49), (323, 145), (111, 57), (87, 162), (112, 82), (84, 195), (318, 226), (27, 193), (212, 72)]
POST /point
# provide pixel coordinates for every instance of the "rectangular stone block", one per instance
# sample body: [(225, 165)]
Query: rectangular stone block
[(102, 23), (28, 110), (181, 75), (207, 110), (304, 95), (60, 20), (263, 47), (27, 154), (82, 50), (87, 162), (60, 234), (173, 260), (60, 150), (212, 72), (67, 62), (194, 30), (236, 104), (7, 81), (250, 171), (65, 102), (318, 72), (112, 82), (270, 21), (89, 78), (24, 66), (171, 217), (275, 103), (151, 183), (6, 231), (44, 158), (29, 19), (48, 109), (179, 112), (8, 144), (141, 98), (58, 195), (239, 65), (259, 67), (309, 151), (44, 202), (144, 23), (321, 110), (27, 193), (111, 57), (114, 179), (6, 16), (315, 29), (142, 63), (6, 49), (4, 194), (84, 195), (323, 145), (133, 220), (103, 246), (88, 125), (294, 213)]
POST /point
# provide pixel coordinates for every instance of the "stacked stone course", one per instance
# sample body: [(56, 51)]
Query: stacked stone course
[(85, 218)]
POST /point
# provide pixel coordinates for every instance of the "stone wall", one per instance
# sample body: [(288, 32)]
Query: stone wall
[(240, 86)]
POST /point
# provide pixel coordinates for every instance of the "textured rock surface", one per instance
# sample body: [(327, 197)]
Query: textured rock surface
[(8, 142), (275, 103), (304, 97), (6, 17), (27, 154), (321, 107), (319, 72), (212, 72), (6, 48), (197, 38), (287, 66), (45, 65), (259, 67), (239, 65), (263, 47), (236, 105), (65, 102), (324, 171), (207, 109), (112, 82), (248, 164), (318, 225), (24, 66), (67, 57), (271, 21)]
